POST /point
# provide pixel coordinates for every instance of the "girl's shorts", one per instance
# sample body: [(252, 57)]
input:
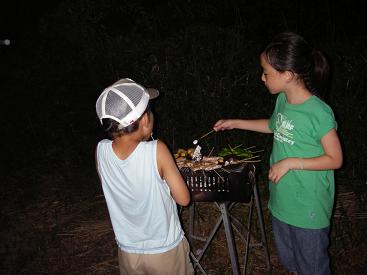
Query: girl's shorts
[(302, 250)]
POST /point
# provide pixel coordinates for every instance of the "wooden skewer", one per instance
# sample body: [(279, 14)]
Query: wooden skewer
[(208, 133), (219, 175), (211, 151), (203, 136)]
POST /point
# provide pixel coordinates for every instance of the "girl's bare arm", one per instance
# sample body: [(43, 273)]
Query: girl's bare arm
[(331, 159), (256, 125), (169, 172)]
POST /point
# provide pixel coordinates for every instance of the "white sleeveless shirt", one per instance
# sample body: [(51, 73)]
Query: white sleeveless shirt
[(143, 214)]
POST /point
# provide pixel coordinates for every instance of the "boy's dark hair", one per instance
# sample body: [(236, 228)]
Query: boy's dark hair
[(289, 51), (114, 129)]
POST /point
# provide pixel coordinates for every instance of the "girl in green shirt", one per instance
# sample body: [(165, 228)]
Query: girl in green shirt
[(306, 151)]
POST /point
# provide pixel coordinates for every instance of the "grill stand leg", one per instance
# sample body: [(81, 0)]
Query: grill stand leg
[(248, 233), (225, 218), (262, 228), (191, 221), (197, 258), (230, 239)]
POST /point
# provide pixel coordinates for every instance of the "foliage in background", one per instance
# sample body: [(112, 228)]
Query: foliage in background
[(203, 57)]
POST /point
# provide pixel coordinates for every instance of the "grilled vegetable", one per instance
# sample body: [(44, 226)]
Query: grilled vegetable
[(237, 152)]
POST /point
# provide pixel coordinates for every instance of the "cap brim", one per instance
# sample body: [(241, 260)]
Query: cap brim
[(153, 93)]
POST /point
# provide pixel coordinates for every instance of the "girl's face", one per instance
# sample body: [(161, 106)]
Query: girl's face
[(274, 80)]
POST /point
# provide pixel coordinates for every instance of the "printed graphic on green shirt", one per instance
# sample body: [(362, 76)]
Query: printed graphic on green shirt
[(283, 129)]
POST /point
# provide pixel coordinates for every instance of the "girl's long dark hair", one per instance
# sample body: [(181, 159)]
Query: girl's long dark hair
[(289, 51)]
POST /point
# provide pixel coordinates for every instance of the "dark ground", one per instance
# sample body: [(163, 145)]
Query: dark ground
[(60, 234)]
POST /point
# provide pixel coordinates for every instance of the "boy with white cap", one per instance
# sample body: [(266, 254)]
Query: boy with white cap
[(141, 184)]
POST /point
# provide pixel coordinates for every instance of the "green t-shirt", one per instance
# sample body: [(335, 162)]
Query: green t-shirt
[(302, 198)]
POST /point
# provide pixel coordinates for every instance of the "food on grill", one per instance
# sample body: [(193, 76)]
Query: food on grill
[(190, 151), (227, 156), (180, 159), (184, 153), (213, 159), (196, 156), (236, 152), (206, 163), (227, 176)]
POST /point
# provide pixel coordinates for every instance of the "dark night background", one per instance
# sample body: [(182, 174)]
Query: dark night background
[(201, 55)]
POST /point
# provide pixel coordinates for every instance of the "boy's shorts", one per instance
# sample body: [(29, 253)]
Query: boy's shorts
[(302, 250), (173, 262)]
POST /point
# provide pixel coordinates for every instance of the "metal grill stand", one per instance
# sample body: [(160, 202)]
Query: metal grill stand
[(203, 190)]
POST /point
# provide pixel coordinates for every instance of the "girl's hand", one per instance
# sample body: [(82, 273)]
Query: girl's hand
[(279, 169), (223, 124)]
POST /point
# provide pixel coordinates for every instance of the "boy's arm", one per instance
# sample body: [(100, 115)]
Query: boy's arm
[(256, 125), (169, 172)]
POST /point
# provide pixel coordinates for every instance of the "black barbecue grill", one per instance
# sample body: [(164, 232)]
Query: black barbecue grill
[(230, 183), (225, 187)]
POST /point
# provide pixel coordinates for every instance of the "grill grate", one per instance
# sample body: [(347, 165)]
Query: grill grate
[(232, 183)]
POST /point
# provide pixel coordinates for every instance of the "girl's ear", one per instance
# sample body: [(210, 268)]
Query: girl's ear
[(289, 76)]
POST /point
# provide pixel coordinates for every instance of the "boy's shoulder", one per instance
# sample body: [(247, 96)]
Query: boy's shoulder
[(161, 144), (163, 150), (104, 142)]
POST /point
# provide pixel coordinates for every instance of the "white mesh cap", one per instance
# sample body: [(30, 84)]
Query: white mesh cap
[(124, 101)]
